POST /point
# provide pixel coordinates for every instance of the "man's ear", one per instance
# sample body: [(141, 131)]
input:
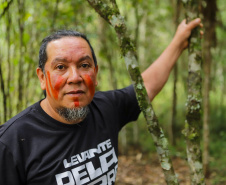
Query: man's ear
[(42, 78)]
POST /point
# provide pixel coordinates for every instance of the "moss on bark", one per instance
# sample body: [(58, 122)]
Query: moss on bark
[(193, 123)]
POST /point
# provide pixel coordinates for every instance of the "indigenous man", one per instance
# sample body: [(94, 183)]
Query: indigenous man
[(71, 136)]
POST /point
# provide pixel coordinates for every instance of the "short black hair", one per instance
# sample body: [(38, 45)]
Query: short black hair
[(58, 35)]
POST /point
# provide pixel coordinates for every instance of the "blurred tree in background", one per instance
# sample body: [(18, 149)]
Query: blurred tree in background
[(151, 25)]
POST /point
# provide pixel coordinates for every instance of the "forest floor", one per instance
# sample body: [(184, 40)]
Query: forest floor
[(135, 170)]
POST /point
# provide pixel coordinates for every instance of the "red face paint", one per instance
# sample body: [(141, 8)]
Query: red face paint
[(55, 90), (47, 88), (49, 82), (76, 102), (57, 86), (90, 84)]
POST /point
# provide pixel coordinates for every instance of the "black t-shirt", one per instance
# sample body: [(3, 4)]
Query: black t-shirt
[(36, 149)]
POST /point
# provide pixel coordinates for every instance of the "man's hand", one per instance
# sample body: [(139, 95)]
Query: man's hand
[(184, 31)]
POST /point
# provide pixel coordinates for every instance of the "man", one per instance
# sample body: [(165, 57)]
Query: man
[(71, 136)]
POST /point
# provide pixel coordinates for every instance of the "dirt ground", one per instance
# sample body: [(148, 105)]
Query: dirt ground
[(135, 170)]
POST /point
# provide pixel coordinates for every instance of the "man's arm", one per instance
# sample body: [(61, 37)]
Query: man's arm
[(157, 74)]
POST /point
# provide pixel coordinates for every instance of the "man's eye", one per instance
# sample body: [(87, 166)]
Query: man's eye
[(60, 67), (85, 65)]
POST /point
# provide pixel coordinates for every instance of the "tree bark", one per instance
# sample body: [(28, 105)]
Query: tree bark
[(3, 93), (8, 37), (193, 123), (209, 13), (21, 10), (175, 76), (110, 12)]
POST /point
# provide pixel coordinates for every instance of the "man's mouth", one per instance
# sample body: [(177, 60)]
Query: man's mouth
[(75, 93)]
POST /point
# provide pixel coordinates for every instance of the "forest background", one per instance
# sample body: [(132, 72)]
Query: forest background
[(151, 25)]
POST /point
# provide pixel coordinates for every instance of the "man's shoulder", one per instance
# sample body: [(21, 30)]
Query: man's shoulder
[(17, 120), (118, 99)]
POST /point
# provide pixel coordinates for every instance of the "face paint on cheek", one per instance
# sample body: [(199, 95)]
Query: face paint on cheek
[(57, 86), (53, 91), (90, 84), (47, 88), (49, 84)]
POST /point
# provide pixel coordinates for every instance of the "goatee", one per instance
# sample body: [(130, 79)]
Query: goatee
[(73, 114)]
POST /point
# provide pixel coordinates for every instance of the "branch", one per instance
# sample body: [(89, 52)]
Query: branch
[(6, 9), (112, 15)]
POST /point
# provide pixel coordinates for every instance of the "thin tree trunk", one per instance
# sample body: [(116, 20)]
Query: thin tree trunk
[(21, 10), (175, 75), (223, 83), (8, 28), (136, 43), (3, 93), (4, 85), (135, 133), (137, 29), (193, 122), (55, 13), (209, 13), (110, 13)]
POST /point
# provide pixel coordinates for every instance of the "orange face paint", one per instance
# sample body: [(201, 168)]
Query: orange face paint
[(90, 84), (76, 102), (55, 90), (49, 82), (57, 86), (47, 88)]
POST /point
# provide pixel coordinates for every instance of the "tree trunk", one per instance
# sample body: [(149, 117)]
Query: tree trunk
[(3, 93), (55, 13), (2, 82), (209, 13), (21, 10), (8, 28), (136, 43), (110, 12), (193, 123), (175, 76)]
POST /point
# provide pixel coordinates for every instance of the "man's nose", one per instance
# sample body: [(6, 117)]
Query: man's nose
[(74, 75)]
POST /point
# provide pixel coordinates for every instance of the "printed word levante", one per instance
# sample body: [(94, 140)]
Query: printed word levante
[(94, 166)]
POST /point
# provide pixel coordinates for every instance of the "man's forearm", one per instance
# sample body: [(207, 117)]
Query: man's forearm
[(156, 75)]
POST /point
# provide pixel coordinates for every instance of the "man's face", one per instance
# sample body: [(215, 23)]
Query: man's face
[(70, 73)]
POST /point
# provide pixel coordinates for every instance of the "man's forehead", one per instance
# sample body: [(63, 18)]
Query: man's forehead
[(73, 40), (68, 47), (68, 44)]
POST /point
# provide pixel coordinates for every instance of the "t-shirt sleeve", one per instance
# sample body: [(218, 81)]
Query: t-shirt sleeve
[(8, 170), (122, 104), (128, 108)]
